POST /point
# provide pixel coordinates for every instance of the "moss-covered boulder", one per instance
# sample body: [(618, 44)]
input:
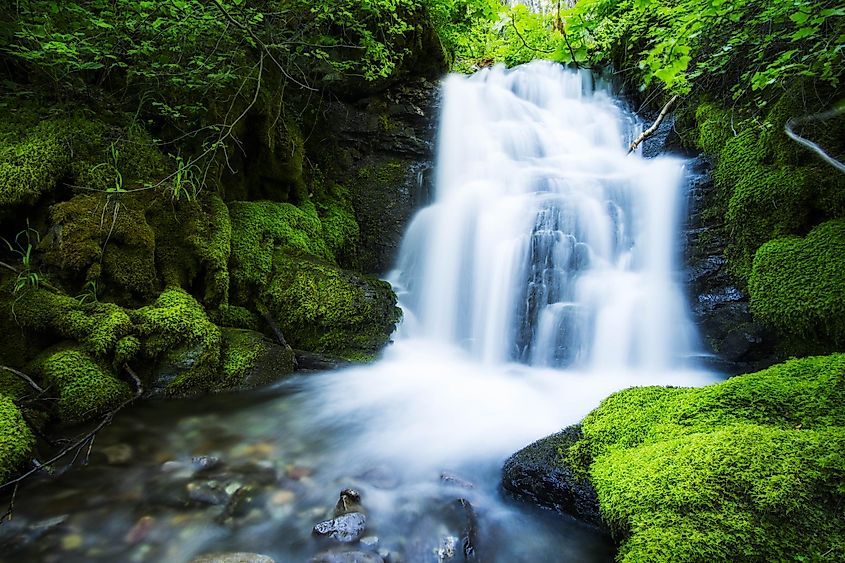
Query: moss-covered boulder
[(750, 469), (797, 286), (86, 387), (16, 439), (181, 342), (250, 359), (322, 308)]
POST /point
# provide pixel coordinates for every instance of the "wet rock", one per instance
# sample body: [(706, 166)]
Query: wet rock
[(447, 549), (347, 557), (238, 557), (72, 542), (349, 501), (469, 539), (346, 528), (537, 474), (282, 498), (370, 542), (210, 493), (314, 361), (450, 478), (201, 463)]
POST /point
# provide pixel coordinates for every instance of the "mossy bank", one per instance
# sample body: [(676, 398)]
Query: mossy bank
[(751, 469)]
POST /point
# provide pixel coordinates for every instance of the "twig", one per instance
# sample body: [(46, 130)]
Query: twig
[(260, 43), (23, 376), (650, 131), (80, 443), (527, 46), (810, 144)]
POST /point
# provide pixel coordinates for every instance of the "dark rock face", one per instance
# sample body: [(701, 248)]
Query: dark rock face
[(381, 148), (537, 473), (719, 307), (347, 557)]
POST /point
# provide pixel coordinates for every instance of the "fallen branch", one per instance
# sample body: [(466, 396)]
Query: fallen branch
[(651, 130), (810, 144), (86, 440), (25, 377)]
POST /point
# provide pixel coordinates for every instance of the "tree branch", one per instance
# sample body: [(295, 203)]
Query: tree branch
[(23, 376), (651, 130), (810, 144), (78, 444)]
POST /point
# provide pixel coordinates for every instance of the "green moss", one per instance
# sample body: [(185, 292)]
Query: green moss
[(105, 238), (237, 317), (749, 469), (325, 309), (126, 350), (262, 227), (176, 321), (97, 326), (16, 439), (242, 352), (797, 285), (193, 242), (767, 186), (714, 127), (85, 387), (36, 153)]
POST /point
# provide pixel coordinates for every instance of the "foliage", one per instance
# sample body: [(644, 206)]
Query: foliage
[(749, 48), (750, 469)]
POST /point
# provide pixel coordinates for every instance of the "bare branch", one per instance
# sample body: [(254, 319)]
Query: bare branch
[(25, 377), (650, 131), (84, 440), (260, 43), (810, 144)]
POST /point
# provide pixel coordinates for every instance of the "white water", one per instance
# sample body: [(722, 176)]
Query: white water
[(539, 281)]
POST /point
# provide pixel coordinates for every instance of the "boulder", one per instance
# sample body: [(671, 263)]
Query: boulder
[(539, 474)]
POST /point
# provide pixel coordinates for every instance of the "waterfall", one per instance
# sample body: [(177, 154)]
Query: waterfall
[(547, 243)]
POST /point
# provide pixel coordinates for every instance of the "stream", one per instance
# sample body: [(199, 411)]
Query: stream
[(542, 278)]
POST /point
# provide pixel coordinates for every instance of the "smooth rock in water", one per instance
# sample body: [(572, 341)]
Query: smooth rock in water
[(298, 472), (210, 493), (349, 501), (202, 463), (345, 528), (370, 542), (239, 557), (347, 557), (450, 478), (282, 497), (537, 474)]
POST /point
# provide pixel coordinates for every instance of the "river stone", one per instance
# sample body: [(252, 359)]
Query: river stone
[(537, 473), (345, 528), (238, 557)]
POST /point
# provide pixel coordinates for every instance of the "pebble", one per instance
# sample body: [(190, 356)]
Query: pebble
[(370, 542), (282, 497), (118, 454), (140, 530), (72, 542), (298, 472)]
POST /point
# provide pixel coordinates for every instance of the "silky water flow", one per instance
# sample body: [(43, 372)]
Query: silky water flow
[(541, 279)]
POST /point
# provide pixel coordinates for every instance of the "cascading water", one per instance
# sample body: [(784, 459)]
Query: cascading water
[(546, 244), (538, 282)]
